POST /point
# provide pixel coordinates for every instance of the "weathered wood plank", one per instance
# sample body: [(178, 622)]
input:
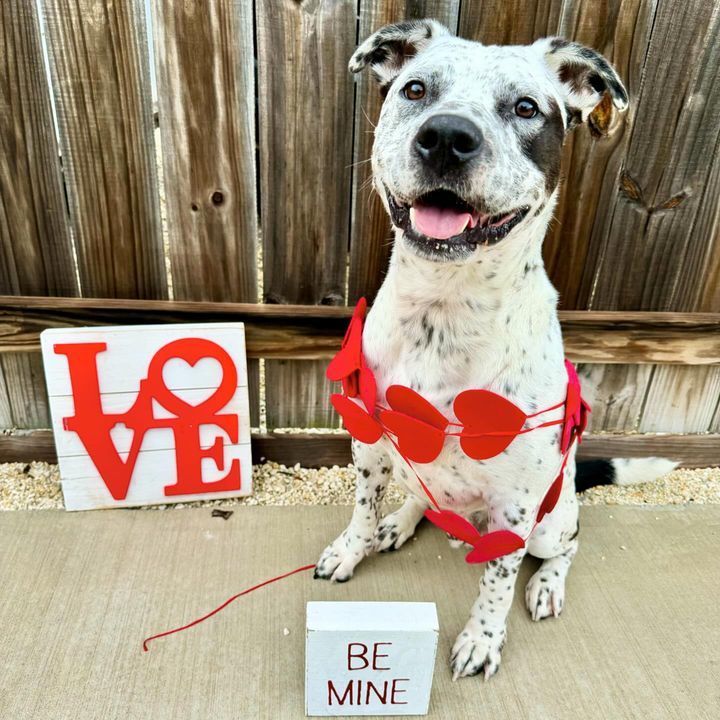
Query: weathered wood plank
[(371, 236), (513, 22), (326, 449), (207, 130), (35, 244), (673, 148), (299, 391), (305, 114), (616, 394), (681, 399), (668, 203), (313, 332), (27, 396), (101, 84)]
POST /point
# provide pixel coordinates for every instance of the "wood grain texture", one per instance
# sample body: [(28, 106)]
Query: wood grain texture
[(204, 61), (591, 166), (673, 147), (101, 84), (327, 449), (371, 234), (669, 188), (314, 331), (26, 393), (616, 394), (306, 113), (681, 399), (297, 395), (35, 244), (207, 131)]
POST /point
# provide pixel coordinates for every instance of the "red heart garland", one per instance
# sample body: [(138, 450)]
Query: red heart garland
[(348, 358), (416, 440), (576, 410), (454, 524), (482, 411), (551, 496), (357, 422), (406, 400), (417, 424), (485, 547), (494, 545), (366, 386)]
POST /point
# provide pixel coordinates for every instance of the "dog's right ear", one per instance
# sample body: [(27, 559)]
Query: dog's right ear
[(389, 48)]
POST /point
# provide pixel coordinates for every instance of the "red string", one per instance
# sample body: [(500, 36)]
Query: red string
[(225, 604)]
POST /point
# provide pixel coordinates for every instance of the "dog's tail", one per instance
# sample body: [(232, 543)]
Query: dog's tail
[(620, 471)]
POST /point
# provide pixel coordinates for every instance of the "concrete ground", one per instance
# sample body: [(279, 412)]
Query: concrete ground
[(639, 638)]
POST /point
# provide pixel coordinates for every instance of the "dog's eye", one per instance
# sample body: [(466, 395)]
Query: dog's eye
[(414, 90), (526, 108)]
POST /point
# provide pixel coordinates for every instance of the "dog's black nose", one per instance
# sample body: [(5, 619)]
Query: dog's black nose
[(444, 142)]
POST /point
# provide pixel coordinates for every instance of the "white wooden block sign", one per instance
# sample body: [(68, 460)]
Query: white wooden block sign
[(150, 413), (369, 658)]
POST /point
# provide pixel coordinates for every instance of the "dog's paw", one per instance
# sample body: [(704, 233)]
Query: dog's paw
[(339, 559), (545, 594), (477, 650), (393, 532)]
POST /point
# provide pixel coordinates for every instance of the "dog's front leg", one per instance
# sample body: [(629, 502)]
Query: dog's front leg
[(478, 647), (340, 558)]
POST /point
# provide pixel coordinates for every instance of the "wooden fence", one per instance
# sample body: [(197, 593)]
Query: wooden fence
[(244, 194)]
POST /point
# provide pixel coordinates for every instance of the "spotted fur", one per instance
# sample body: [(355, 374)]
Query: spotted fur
[(488, 319)]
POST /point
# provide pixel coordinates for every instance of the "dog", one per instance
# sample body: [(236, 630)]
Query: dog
[(466, 159)]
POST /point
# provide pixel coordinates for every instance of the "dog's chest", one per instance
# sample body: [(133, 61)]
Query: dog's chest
[(441, 351)]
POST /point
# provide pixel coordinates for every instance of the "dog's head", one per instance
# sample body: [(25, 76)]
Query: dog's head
[(467, 148)]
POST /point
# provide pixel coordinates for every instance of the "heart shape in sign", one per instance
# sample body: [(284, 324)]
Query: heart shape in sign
[(485, 547), (357, 422), (418, 426), (490, 422), (191, 351)]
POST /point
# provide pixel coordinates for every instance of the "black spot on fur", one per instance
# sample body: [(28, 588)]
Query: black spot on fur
[(544, 147)]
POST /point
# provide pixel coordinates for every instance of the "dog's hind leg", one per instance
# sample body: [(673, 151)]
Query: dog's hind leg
[(339, 559), (399, 526)]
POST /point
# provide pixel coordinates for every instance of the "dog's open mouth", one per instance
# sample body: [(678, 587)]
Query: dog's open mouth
[(442, 221)]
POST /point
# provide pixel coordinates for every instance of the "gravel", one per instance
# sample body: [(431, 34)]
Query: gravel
[(36, 486)]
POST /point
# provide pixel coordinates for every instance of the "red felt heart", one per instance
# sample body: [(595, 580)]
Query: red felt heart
[(350, 384), (576, 410), (347, 359), (407, 401), (551, 497), (416, 440), (357, 422), (367, 387), (494, 545), (349, 356), (454, 524), (482, 411)]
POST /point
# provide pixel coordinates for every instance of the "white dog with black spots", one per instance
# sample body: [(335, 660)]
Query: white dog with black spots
[(466, 159)]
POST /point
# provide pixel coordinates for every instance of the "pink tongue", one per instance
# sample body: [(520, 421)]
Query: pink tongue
[(440, 223)]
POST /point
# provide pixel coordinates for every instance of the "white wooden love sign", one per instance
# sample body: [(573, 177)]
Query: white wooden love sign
[(149, 414), (369, 658)]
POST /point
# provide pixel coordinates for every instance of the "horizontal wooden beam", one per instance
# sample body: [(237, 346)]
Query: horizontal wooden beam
[(314, 331), (315, 449)]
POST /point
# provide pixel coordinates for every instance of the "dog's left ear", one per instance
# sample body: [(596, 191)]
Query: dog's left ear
[(390, 47), (591, 86)]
